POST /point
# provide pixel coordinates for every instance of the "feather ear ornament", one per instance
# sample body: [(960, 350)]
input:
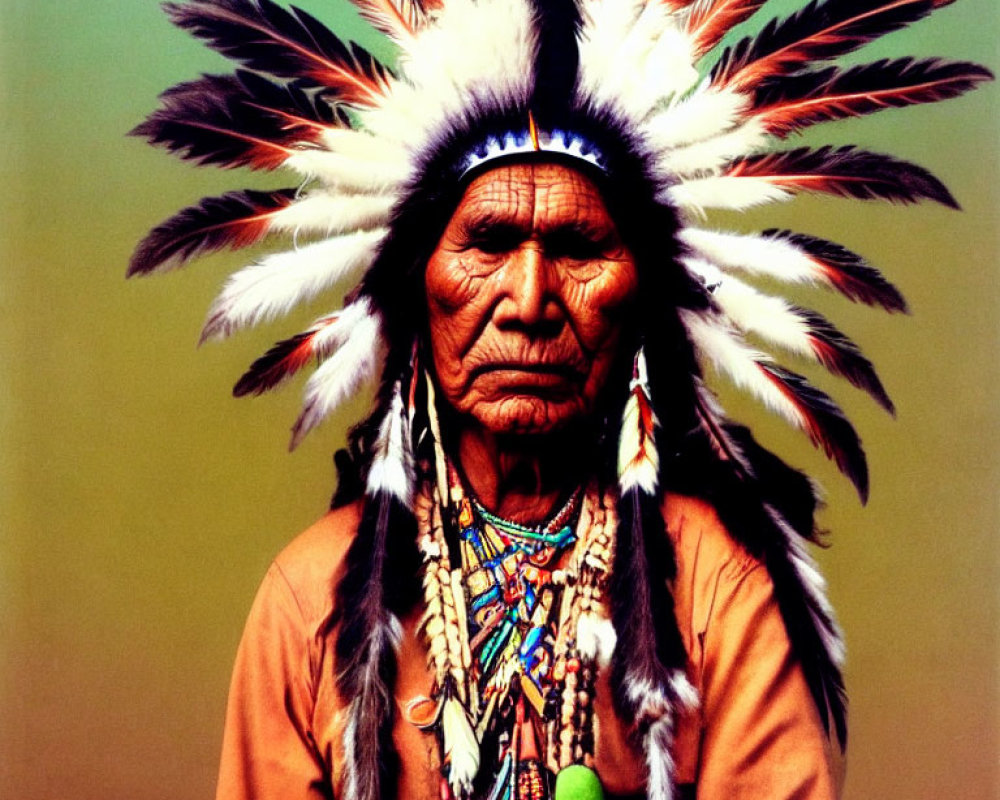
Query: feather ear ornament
[(648, 665)]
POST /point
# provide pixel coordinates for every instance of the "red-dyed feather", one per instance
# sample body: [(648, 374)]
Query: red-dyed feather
[(282, 361), (841, 356), (390, 17), (821, 30), (846, 172), (710, 20), (240, 120), (788, 103), (845, 270), (824, 423), (234, 220), (287, 44)]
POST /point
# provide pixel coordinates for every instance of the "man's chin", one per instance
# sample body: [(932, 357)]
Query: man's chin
[(529, 415)]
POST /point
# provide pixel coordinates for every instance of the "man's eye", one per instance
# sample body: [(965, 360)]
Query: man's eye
[(574, 245), (494, 242)]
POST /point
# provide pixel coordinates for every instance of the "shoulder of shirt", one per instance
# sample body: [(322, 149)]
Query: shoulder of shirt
[(701, 541), (311, 564)]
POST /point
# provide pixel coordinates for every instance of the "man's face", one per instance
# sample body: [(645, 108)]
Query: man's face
[(526, 292)]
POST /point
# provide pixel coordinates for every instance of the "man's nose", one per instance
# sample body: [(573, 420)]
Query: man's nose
[(530, 289)]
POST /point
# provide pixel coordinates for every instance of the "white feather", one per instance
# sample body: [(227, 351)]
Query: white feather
[(348, 173), (330, 214), (704, 114), (270, 288), (361, 145), (357, 361), (633, 55), (461, 748), (728, 192), (391, 468), (638, 462), (753, 312), (755, 254), (711, 155), (475, 49), (727, 352)]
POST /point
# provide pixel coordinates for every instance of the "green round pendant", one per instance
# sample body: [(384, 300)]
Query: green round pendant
[(577, 782)]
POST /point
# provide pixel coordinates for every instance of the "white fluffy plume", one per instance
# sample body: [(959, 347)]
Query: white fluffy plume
[(712, 154), (321, 212), (475, 49), (272, 287), (755, 254), (391, 468), (705, 114), (729, 354), (754, 312), (358, 359), (726, 192), (633, 55)]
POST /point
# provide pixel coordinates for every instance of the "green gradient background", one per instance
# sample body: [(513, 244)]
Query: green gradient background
[(141, 504)]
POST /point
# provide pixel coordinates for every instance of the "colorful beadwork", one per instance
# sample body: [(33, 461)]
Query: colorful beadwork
[(502, 629)]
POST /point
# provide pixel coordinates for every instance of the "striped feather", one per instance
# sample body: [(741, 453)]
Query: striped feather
[(800, 331), (823, 29), (237, 121), (710, 20), (273, 286), (289, 356), (234, 220), (638, 461), (796, 258), (357, 361), (845, 172), (397, 20), (240, 219), (787, 103), (785, 393), (287, 44)]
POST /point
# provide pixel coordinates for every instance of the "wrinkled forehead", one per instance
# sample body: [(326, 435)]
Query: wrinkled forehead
[(536, 194)]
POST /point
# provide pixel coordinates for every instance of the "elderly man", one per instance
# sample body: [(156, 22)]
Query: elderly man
[(553, 569)]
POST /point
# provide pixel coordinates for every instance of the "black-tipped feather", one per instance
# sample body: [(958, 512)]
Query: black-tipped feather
[(287, 44), (841, 356), (238, 120), (821, 30), (845, 172), (846, 271), (282, 361), (234, 220), (824, 423), (790, 102)]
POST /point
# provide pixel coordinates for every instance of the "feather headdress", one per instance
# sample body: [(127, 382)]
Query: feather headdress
[(650, 96)]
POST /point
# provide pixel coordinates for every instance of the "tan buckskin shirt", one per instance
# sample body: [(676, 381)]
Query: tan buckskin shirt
[(756, 735)]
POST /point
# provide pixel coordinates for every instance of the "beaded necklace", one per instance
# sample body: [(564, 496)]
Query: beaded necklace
[(512, 632)]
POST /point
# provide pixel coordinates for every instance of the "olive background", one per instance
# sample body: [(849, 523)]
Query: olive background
[(140, 503)]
